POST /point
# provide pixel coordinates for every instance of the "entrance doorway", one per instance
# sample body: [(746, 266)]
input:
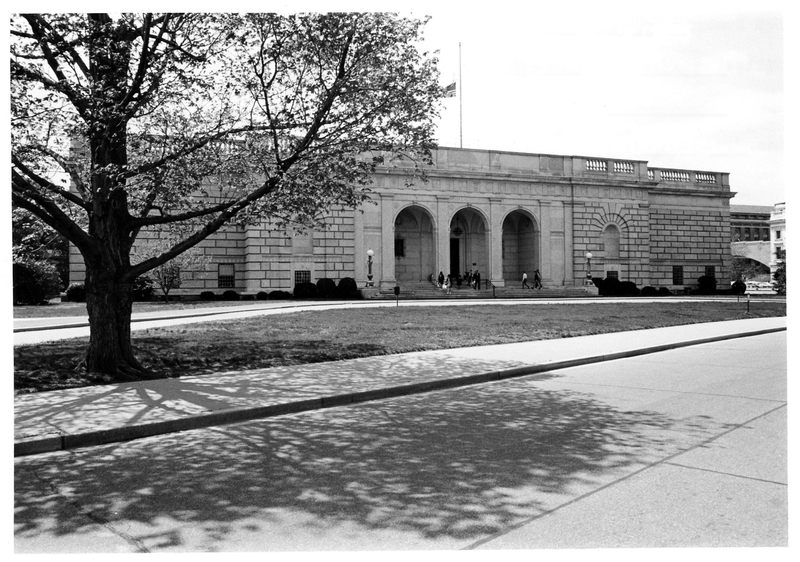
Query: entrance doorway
[(468, 242), (455, 255)]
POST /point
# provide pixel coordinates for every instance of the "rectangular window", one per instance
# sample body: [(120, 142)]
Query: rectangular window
[(677, 275), (399, 248), (302, 276), (711, 271), (612, 274), (778, 234), (226, 276)]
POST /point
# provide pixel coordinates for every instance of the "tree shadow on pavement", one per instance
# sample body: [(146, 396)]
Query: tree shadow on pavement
[(430, 471), (102, 407)]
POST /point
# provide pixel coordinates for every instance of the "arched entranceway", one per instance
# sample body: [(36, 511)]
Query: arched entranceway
[(520, 246), (414, 248), (468, 244)]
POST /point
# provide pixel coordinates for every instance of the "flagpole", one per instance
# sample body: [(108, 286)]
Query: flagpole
[(460, 101)]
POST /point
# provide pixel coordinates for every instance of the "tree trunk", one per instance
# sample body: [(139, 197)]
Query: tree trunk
[(109, 304)]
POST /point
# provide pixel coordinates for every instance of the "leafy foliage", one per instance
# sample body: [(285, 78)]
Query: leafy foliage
[(326, 288), (202, 120), (76, 292), (347, 288), (142, 289), (779, 276), (706, 285), (34, 282), (305, 291)]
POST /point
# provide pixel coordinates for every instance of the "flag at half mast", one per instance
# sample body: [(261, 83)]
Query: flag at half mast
[(450, 90)]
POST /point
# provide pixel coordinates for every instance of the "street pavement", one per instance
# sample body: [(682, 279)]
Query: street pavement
[(590, 444)]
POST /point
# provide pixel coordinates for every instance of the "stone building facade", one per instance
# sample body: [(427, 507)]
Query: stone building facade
[(501, 213)]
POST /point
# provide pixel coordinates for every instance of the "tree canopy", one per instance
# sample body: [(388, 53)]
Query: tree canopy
[(143, 121), (280, 110)]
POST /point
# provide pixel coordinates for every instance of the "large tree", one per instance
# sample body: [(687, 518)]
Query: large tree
[(135, 122)]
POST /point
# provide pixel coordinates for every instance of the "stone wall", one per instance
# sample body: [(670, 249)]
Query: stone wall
[(665, 218)]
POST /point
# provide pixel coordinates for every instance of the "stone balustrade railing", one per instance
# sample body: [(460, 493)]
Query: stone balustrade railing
[(524, 164)]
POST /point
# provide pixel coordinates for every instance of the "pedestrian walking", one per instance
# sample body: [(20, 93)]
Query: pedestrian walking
[(537, 280), (525, 281)]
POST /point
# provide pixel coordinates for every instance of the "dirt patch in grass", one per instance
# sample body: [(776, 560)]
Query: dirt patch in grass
[(311, 337)]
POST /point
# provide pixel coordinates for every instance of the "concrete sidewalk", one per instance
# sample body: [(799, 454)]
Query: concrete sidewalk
[(50, 421)]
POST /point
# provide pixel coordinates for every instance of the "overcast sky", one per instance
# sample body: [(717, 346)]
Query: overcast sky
[(694, 86)]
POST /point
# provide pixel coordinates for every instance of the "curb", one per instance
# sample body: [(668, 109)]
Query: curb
[(236, 415)]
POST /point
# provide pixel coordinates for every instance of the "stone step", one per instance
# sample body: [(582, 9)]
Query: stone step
[(429, 291)]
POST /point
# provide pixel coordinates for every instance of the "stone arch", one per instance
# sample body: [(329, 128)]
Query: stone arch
[(600, 223), (414, 244), (520, 245), (469, 243), (611, 241)]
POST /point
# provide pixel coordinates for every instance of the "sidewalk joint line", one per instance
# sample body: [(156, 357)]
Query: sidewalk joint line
[(636, 472), (722, 472)]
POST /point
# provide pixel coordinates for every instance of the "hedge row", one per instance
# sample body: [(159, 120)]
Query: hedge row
[(706, 285), (323, 289)]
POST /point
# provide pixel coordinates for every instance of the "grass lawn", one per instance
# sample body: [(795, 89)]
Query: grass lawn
[(309, 337)]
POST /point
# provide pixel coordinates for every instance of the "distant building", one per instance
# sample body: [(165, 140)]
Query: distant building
[(757, 234), (777, 226), (750, 223), (501, 213)]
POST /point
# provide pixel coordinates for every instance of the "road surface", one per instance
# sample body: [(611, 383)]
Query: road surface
[(679, 448)]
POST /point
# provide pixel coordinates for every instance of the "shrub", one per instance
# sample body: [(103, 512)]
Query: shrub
[(35, 282), (248, 297), (649, 291), (628, 289), (779, 277), (609, 287), (208, 296), (142, 289), (305, 291), (706, 285), (230, 295), (348, 289), (76, 292), (664, 292), (738, 287), (279, 295), (261, 296), (326, 288)]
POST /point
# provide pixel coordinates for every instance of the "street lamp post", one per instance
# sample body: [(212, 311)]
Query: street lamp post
[(588, 266), (370, 253)]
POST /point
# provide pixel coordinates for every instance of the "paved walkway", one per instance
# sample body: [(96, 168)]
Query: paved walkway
[(64, 419)]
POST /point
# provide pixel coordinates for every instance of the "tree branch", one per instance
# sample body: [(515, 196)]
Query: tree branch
[(48, 185), (28, 198), (210, 228)]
